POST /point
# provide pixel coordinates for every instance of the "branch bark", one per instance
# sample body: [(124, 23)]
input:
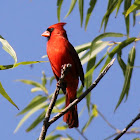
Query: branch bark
[(128, 126), (48, 122), (76, 101)]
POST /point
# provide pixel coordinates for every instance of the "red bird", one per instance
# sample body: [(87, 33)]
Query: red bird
[(60, 52)]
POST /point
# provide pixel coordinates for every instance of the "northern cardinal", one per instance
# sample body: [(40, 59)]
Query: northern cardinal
[(60, 52)]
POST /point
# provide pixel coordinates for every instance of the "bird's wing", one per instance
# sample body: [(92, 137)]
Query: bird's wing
[(77, 61)]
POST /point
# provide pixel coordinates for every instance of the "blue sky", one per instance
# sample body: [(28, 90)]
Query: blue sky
[(22, 23)]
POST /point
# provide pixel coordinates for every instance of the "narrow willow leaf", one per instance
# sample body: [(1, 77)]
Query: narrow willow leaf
[(121, 62), (136, 139), (81, 9), (134, 17), (80, 90), (82, 47), (35, 102), (94, 110), (35, 89), (89, 11), (87, 124), (127, 4), (128, 75), (95, 50), (81, 112), (7, 47), (133, 7), (73, 2), (95, 66), (51, 80), (118, 48), (60, 101), (49, 137), (88, 80), (118, 6), (70, 138), (31, 112), (44, 79), (4, 67), (36, 122), (6, 96), (64, 127), (110, 9), (138, 14), (33, 83), (59, 4), (104, 35)]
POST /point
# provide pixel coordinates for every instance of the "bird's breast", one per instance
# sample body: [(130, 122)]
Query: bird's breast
[(59, 55)]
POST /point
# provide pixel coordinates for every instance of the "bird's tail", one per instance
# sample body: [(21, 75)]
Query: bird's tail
[(71, 117)]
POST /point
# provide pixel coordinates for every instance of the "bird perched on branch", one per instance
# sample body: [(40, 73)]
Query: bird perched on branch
[(60, 51)]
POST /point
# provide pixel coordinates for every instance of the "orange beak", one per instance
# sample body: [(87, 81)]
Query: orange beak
[(46, 34)]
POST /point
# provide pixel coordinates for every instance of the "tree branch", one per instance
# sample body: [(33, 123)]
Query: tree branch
[(76, 101), (46, 124), (128, 126)]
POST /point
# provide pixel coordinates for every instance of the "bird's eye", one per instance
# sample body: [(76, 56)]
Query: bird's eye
[(50, 29)]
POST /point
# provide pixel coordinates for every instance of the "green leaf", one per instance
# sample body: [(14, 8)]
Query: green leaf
[(44, 79), (92, 116), (59, 4), (8, 48), (51, 80), (127, 4), (64, 127), (94, 110), (35, 89), (4, 67), (98, 47), (36, 122), (121, 62), (60, 101), (104, 35), (80, 90), (81, 9), (5, 95), (133, 7), (134, 17), (33, 83), (136, 139), (35, 102), (87, 124), (31, 112), (89, 11), (73, 2), (88, 80), (138, 14), (111, 7), (82, 47), (95, 66), (49, 137), (128, 75), (118, 6), (118, 48), (70, 138)]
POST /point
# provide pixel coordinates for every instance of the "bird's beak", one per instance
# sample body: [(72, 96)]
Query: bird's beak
[(46, 34)]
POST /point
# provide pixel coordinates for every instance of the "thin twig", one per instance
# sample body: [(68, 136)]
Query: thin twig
[(103, 117), (81, 133), (128, 126), (52, 103), (128, 132), (76, 101)]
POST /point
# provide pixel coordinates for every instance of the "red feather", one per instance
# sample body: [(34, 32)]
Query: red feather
[(60, 52)]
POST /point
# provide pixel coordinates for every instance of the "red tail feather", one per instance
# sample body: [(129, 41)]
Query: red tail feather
[(71, 117)]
